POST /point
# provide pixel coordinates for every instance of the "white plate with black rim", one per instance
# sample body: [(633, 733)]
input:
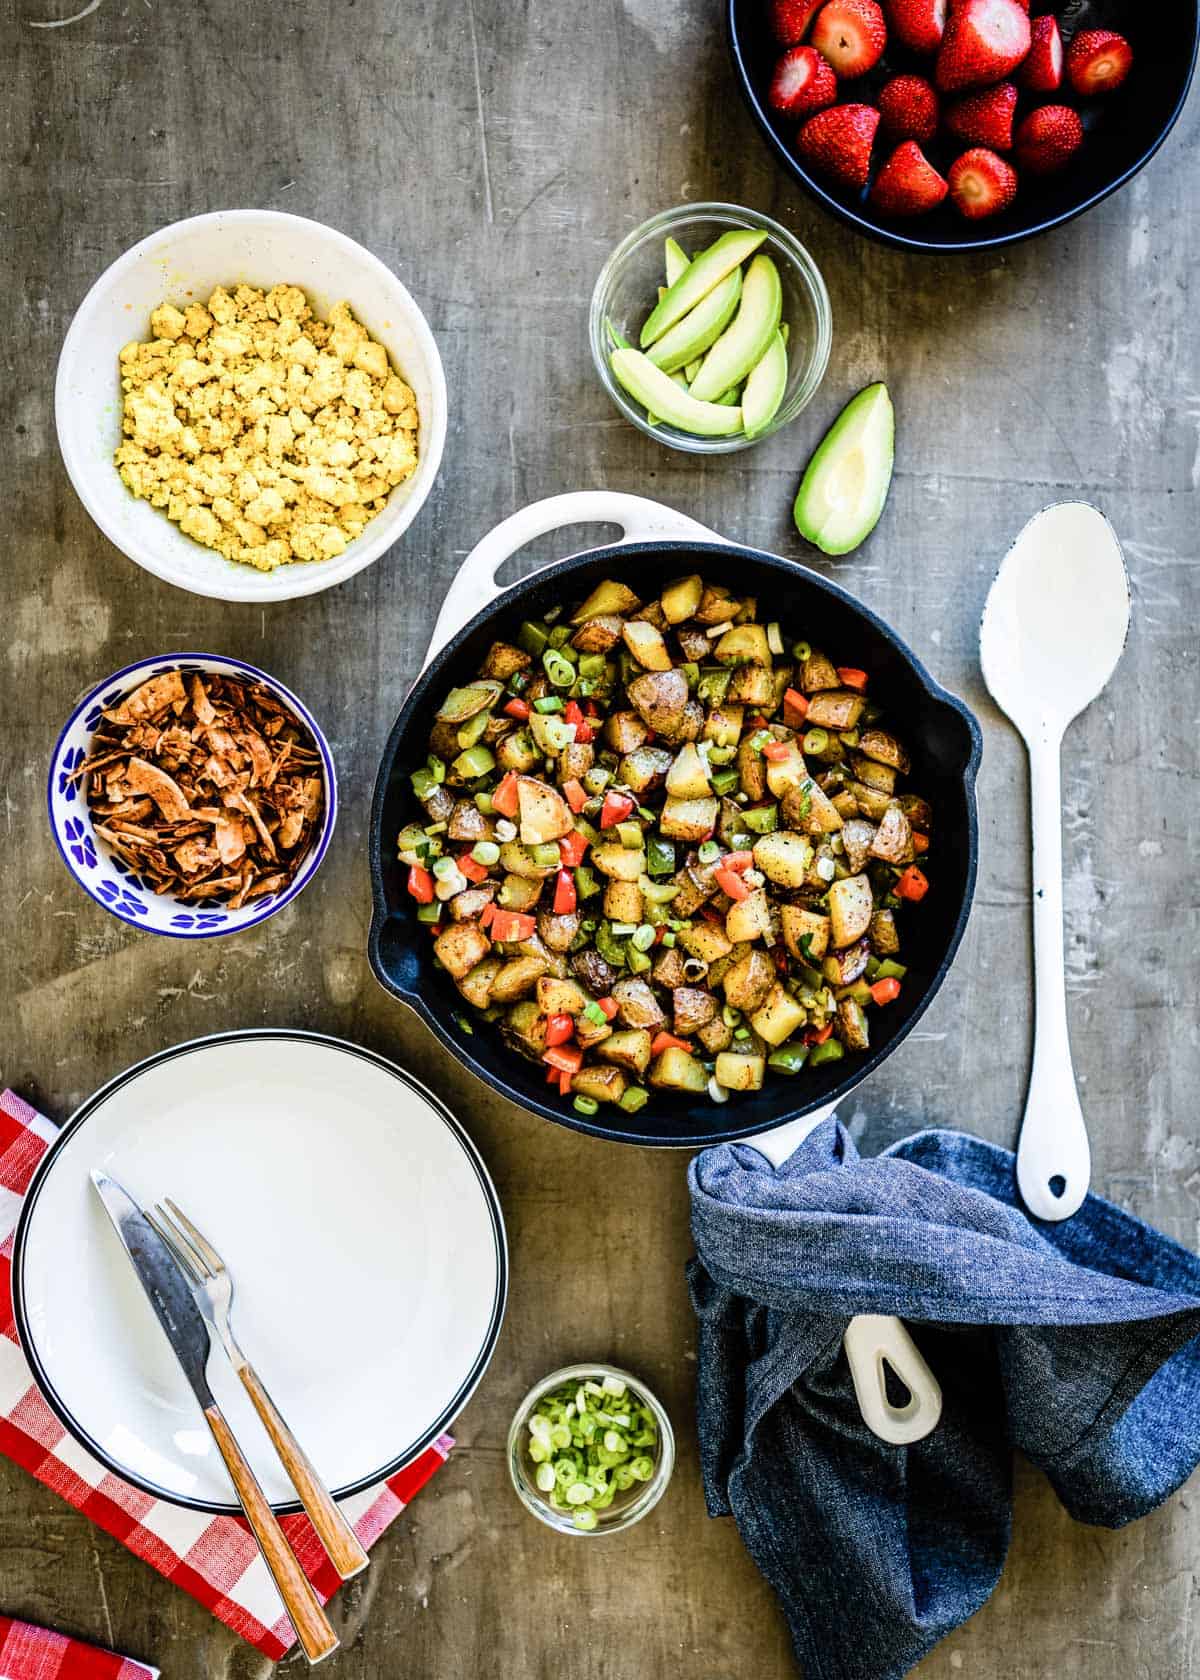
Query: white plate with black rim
[(362, 1230)]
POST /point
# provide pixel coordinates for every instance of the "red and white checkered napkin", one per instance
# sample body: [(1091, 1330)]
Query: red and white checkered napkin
[(35, 1653), (213, 1558)]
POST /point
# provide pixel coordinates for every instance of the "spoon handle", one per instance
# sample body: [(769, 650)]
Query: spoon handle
[(1054, 1159)]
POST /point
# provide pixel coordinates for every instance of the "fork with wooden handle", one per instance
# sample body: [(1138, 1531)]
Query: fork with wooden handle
[(212, 1290)]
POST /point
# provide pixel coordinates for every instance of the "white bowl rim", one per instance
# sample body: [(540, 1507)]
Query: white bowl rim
[(289, 582), (307, 870)]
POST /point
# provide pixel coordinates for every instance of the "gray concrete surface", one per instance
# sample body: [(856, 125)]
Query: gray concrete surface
[(493, 154)]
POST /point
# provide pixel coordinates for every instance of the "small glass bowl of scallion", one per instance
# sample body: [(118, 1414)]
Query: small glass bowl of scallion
[(590, 1450)]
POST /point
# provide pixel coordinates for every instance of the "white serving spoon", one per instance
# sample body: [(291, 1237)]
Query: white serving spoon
[(1053, 629)]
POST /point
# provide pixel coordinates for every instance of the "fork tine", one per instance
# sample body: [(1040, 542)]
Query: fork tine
[(197, 1239), (180, 1239), (182, 1255)]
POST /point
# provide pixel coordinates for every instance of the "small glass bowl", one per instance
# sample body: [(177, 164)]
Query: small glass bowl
[(627, 288), (627, 1508)]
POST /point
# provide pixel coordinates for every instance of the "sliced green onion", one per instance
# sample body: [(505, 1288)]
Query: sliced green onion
[(585, 1105), (801, 651), (486, 852), (708, 851), (644, 937), (549, 703), (444, 867), (558, 668), (775, 638)]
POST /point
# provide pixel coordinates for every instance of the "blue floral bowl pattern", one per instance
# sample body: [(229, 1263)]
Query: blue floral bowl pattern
[(108, 879)]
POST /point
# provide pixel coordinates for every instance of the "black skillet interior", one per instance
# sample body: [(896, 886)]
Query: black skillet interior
[(940, 732)]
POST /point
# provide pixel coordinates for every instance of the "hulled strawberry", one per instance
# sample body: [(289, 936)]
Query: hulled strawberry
[(1098, 61), (802, 83), (985, 118), (1041, 71), (917, 24), (908, 184), (981, 183), (837, 143), (851, 35), (984, 41), (790, 19), (908, 108), (1048, 138)]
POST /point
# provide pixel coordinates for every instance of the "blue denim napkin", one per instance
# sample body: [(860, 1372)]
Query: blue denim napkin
[(1078, 1343)]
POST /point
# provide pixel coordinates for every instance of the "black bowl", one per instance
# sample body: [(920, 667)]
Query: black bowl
[(941, 733), (1124, 129)]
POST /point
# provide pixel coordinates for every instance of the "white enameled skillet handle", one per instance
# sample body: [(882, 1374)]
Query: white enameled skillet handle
[(475, 586), (872, 1341)]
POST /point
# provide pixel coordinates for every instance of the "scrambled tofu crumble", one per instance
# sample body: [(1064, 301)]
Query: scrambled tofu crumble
[(264, 433)]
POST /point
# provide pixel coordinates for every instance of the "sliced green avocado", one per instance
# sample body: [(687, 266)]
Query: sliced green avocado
[(765, 385), (699, 278), (700, 327), (675, 261), (846, 483), (658, 392), (747, 336)]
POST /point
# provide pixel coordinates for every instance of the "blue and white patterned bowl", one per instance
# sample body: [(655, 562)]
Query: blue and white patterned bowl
[(109, 880)]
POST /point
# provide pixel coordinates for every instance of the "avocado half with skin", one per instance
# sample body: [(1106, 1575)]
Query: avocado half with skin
[(846, 483)]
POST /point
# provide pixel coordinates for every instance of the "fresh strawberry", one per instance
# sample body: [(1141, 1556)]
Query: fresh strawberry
[(802, 82), (851, 34), (908, 108), (908, 184), (838, 142), (917, 24), (1098, 61), (1048, 138), (986, 118), (1042, 70), (790, 19), (984, 41), (981, 184)]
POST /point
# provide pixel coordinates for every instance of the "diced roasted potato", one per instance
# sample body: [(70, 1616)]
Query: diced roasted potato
[(644, 768), (460, 947), (668, 968), (696, 886), (619, 863), (518, 860), (745, 644), (694, 643), (872, 801), (598, 635), (560, 997), (468, 906), (504, 661), (739, 1073), (652, 613), (518, 976), (602, 1084), (575, 761), (884, 749), (439, 804), (851, 907), (716, 605), (748, 980), (688, 726), (893, 838), (688, 776), (809, 810), (718, 969), (637, 1005), (625, 732), (524, 1026), (786, 774), (875, 775), (779, 1016), (630, 1049), (851, 1025), (750, 918), (676, 1070), (588, 1034), (597, 975), (607, 597), (680, 600), (519, 892), (659, 698), (557, 933), (467, 822), (463, 703), (918, 811), (517, 751), (751, 685), (688, 819), (818, 672), (885, 941), (752, 771), (623, 901), (805, 932), (783, 857), (824, 865), (858, 836), (545, 814), (845, 804), (723, 725), (842, 968), (476, 985), (835, 708), (646, 645), (706, 941), (692, 1008), (716, 1036)]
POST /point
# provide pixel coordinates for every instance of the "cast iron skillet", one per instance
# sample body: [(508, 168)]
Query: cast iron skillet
[(941, 734)]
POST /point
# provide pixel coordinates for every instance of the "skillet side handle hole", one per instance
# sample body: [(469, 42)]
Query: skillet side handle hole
[(897, 1394), (1057, 1186)]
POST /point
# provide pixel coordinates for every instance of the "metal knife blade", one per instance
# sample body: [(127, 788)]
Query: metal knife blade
[(168, 1290)]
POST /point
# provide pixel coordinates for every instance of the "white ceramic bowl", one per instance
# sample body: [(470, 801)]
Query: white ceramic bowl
[(186, 261), (101, 874)]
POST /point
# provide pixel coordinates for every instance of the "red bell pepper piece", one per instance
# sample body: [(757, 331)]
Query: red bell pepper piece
[(609, 1006), (565, 900), (571, 848), (819, 1037), (512, 927), (737, 861), (615, 809), (567, 1058), (487, 915), (731, 882), (472, 870), (795, 708), (777, 750), (559, 1028), (573, 713), (851, 677), (667, 1041), (920, 842), (517, 709), (420, 884), (564, 1084), (883, 991), (575, 795), (505, 798), (912, 885)]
